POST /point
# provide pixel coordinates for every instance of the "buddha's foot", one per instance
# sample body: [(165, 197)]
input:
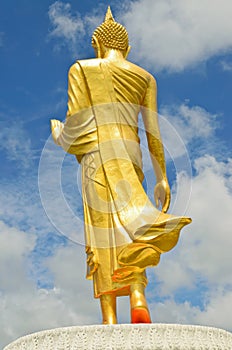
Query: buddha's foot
[(140, 315)]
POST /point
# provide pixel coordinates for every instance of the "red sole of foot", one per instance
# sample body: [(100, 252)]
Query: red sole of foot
[(140, 315)]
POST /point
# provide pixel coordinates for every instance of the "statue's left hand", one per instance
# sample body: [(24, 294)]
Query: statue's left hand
[(162, 195), (57, 128)]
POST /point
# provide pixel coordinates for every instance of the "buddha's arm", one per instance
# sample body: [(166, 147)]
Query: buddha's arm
[(77, 100), (77, 95), (150, 119)]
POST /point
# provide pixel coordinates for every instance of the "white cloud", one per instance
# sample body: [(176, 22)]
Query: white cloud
[(24, 308), (60, 191), (20, 205), (175, 34), (57, 186), (191, 122), (14, 246), (226, 65), (70, 29), (210, 239), (206, 244), (65, 25), (16, 144), (215, 313), (203, 254), (171, 312), (182, 125)]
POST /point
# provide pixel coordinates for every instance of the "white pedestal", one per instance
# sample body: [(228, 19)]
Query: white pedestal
[(127, 337)]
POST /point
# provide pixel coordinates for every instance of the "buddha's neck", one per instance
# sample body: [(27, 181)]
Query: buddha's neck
[(112, 54)]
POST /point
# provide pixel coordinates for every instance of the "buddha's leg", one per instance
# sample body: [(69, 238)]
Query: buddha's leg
[(108, 308), (138, 304)]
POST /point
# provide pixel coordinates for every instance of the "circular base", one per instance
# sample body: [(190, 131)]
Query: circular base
[(127, 337)]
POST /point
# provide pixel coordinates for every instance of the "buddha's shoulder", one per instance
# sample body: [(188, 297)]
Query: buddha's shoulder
[(139, 70), (94, 63), (91, 62)]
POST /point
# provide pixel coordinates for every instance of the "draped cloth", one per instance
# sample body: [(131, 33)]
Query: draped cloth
[(124, 232)]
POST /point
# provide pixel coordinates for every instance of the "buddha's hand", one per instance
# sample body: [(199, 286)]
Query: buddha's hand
[(162, 195), (57, 128)]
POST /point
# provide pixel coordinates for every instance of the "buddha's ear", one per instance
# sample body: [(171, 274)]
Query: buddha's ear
[(98, 47), (127, 51)]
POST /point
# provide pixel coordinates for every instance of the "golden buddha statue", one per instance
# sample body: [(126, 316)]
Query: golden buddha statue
[(124, 232)]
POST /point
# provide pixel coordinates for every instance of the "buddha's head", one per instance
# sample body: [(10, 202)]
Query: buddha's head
[(110, 35)]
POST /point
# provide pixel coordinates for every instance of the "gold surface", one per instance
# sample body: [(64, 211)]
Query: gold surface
[(124, 232)]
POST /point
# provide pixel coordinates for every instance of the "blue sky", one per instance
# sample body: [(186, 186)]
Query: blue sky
[(187, 47)]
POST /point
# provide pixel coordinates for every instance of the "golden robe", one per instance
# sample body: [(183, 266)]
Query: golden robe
[(124, 232)]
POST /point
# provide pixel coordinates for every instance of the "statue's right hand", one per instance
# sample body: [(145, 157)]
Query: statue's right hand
[(57, 128), (162, 195)]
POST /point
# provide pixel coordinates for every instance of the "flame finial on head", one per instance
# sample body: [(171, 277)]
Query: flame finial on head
[(109, 16)]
